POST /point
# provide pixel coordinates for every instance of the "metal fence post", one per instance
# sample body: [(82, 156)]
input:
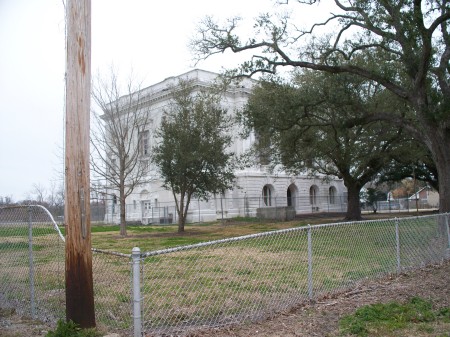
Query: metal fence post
[(137, 322), (448, 234), (276, 210), (175, 214), (397, 244), (30, 259), (221, 206), (310, 266)]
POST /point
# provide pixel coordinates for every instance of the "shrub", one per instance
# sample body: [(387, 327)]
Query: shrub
[(71, 329)]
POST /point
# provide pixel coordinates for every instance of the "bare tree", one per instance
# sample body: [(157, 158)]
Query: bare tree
[(120, 148), (55, 198), (55, 195), (6, 200), (38, 193)]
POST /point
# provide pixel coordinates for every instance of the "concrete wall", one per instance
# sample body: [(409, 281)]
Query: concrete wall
[(283, 213)]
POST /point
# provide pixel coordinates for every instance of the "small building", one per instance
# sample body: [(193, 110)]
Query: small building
[(426, 197)]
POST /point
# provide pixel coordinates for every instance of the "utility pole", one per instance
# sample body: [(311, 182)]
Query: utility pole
[(79, 281)]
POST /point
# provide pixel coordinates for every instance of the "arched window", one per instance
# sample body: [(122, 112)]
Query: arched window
[(332, 195), (313, 192), (291, 195), (267, 195), (145, 195)]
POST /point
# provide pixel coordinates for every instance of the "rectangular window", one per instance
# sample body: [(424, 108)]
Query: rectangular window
[(144, 140), (263, 148)]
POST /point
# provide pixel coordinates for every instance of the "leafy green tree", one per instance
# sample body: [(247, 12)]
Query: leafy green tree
[(408, 42), (373, 196), (417, 164), (192, 153), (305, 123)]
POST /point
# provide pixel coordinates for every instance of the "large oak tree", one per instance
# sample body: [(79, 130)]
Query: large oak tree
[(304, 125), (409, 41)]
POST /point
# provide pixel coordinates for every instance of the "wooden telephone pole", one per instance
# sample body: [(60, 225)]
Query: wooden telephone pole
[(79, 282)]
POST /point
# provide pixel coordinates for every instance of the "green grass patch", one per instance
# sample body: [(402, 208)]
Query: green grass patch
[(180, 241), (104, 228), (386, 318), (131, 228), (155, 237), (23, 231), (18, 246)]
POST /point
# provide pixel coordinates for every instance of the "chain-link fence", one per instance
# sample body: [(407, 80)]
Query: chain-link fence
[(32, 269), (278, 208), (113, 290), (247, 278), (216, 283), (31, 262), (400, 205), (219, 208)]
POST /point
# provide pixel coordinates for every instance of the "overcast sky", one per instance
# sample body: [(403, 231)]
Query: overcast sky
[(150, 37)]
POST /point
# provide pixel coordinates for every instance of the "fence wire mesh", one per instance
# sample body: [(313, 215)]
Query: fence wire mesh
[(32, 271), (261, 208), (247, 278), (113, 290), (223, 283), (31, 263), (214, 283)]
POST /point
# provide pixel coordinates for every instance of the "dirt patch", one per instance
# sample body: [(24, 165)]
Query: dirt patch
[(12, 325)]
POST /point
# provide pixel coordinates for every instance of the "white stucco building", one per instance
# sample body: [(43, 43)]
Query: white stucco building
[(255, 189)]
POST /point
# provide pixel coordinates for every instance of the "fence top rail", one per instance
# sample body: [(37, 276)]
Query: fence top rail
[(271, 233), (215, 242), (107, 252), (55, 225)]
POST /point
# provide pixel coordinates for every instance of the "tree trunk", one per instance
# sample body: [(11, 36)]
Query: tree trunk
[(444, 188), (443, 168), (123, 221), (183, 210), (440, 148), (181, 223), (436, 137), (181, 214), (353, 202)]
